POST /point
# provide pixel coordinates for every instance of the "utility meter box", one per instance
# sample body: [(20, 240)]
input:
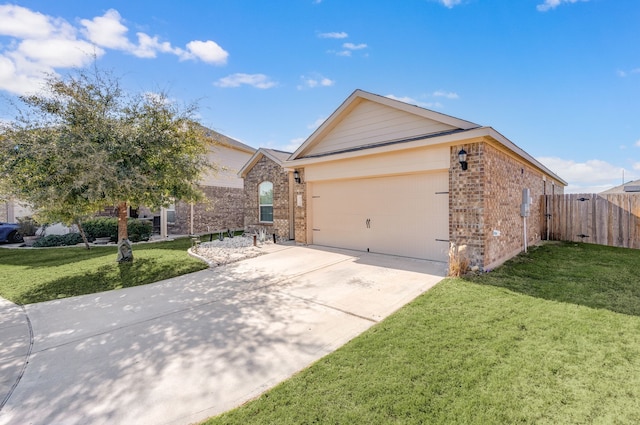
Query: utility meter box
[(525, 207)]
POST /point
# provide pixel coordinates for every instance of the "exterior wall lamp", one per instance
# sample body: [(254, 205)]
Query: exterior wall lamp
[(296, 176), (462, 158)]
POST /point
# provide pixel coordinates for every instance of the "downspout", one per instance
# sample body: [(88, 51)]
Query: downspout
[(163, 223), (191, 221)]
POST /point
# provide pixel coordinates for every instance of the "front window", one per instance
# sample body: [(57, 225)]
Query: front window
[(265, 193)]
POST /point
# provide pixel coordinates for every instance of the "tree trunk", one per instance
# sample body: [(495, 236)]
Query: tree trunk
[(122, 221), (83, 234)]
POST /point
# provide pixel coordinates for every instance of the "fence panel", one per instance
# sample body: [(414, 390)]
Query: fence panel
[(610, 219)]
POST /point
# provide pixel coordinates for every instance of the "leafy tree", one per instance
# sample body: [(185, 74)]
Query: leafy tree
[(82, 144)]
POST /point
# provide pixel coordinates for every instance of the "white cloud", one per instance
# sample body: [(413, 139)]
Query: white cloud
[(412, 101), (637, 143), (21, 22), (293, 144), (42, 44), (450, 3), (58, 53), (259, 81), (207, 51), (623, 74), (333, 35), (448, 95), (590, 176), (108, 31), (552, 4), (317, 123), (315, 81), (351, 46)]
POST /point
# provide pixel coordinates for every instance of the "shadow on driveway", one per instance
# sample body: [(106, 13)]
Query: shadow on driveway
[(187, 348)]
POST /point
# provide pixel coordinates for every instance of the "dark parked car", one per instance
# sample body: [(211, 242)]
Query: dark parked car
[(9, 233)]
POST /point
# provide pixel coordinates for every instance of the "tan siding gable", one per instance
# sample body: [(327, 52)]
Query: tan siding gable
[(229, 161), (371, 123)]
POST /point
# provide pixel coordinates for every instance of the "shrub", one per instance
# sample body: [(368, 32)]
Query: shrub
[(58, 240), (107, 227), (101, 227), (139, 230), (27, 226), (458, 261)]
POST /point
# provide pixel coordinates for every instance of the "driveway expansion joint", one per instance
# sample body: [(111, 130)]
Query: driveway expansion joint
[(26, 359)]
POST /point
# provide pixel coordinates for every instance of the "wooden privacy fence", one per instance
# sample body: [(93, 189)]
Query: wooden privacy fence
[(607, 219)]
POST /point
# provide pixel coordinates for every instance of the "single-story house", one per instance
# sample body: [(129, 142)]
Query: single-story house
[(385, 176), (222, 209), (631, 187)]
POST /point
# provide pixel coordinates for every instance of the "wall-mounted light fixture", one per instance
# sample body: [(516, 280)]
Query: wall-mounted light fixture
[(462, 158), (296, 176)]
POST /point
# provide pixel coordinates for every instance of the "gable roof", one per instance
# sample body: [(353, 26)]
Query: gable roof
[(227, 141), (444, 129), (279, 157), (427, 123), (628, 187)]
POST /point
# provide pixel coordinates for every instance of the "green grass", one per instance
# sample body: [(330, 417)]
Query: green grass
[(34, 275), (551, 337)]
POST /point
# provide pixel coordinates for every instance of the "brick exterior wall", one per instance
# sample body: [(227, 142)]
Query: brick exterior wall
[(222, 209), (300, 189), (484, 204), (466, 202), (267, 170)]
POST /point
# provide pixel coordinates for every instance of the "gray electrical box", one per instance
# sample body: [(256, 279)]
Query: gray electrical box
[(525, 207)]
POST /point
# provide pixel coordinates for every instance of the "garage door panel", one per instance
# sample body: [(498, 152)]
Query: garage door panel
[(399, 215)]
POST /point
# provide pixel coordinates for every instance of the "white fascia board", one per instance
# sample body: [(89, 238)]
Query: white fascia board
[(452, 138)]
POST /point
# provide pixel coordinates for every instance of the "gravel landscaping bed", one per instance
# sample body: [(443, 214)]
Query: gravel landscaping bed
[(229, 250)]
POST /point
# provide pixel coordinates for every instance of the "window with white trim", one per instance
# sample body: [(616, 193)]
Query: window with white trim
[(265, 202)]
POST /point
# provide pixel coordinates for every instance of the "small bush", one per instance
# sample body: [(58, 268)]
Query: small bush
[(58, 240), (27, 226), (139, 230), (458, 261), (107, 227), (101, 227)]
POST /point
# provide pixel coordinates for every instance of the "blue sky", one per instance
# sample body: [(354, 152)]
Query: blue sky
[(560, 78)]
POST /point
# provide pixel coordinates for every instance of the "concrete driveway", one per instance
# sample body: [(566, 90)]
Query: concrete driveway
[(184, 349)]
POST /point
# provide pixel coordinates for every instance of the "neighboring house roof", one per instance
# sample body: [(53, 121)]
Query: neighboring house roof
[(628, 187), (331, 141), (227, 141), (279, 157)]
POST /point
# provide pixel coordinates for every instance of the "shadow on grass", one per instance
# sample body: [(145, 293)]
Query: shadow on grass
[(584, 274), (47, 257), (106, 278), (57, 256)]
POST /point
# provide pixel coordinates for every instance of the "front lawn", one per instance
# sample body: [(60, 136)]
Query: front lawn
[(551, 337), (35, 275)]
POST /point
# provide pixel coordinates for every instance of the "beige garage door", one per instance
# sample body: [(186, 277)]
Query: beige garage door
[(400, 215)]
